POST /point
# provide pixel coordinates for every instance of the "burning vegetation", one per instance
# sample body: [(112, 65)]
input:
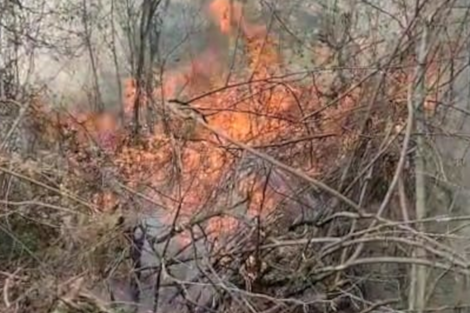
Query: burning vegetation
[(198, 174), (263, 106)]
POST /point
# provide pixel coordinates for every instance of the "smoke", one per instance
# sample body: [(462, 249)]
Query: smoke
[(71, 63), (74, 50), (77, 56)]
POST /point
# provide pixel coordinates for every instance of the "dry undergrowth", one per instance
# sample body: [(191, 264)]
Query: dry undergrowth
[(295, 245)]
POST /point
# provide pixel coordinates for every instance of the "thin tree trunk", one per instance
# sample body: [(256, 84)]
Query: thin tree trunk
[(419, 273)]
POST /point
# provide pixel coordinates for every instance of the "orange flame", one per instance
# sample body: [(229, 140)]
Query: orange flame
[(193, 174), (225, 13)]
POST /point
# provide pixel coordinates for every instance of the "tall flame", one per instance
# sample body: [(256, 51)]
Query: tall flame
[(193, 174)]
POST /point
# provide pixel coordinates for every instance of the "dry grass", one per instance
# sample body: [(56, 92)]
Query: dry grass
[(310, 223)]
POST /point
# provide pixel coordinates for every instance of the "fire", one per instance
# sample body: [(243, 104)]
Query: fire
[(226, 13), (257, 117), (195, 170)]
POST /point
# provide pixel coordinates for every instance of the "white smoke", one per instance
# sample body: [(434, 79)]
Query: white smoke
[(57, 48)]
